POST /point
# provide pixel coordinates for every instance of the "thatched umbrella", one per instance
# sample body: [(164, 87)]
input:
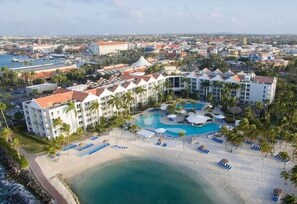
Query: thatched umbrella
[(235, 110), (225, 161), (81, 144), (160, 139), (105, 141), (277, 191), (202, 147)]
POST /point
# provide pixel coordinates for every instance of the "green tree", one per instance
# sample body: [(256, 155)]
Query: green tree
[(71, 109), (182, 135), (95, 107), (15, 144), (3, 107), (289, 199), (116, 102), (6, 134), (285, 175)]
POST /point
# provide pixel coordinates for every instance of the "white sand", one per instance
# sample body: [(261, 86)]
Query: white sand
[(251, 180)]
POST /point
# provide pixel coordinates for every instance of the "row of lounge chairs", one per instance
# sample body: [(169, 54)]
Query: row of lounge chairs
[(119, 147), (94, 137), (219, 140), (255, 147), (248, 142), (205, 151), (225, 165), (279, 157), (85, 147), (96, 149), (70, 146), (160, 144)]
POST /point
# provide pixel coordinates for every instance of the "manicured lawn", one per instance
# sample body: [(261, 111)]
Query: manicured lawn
[(31, 145)]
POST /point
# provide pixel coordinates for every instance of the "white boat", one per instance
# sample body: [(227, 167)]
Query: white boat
[(15, 60)]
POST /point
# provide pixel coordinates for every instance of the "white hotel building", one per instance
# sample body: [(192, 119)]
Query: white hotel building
[(104, 48), (250, 88), (40, 113)]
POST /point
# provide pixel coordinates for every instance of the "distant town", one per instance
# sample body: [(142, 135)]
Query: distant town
[(66, 99)]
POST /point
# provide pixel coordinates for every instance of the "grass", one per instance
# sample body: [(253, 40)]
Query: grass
[(31, 145)]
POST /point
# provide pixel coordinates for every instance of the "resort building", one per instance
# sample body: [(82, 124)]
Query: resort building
[(247, 87), (104, 48), (40, 113)]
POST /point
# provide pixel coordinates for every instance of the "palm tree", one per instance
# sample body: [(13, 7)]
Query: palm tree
[(71, 108), (285, 156), (115, 101), (6, 134), (205, 85), (140, 91), (95, 107), (66, 129), (289, 199), (128, 99), (80, 132), (57, 122), (3, 107), (265, 147), (16, 146), (186, 82), (259, 106), (156, 91), (285, 175), (168, 85)]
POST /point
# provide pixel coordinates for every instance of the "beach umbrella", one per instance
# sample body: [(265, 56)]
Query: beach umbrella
[(277, 191), (235, 110), (105, 141), (225, 161), (202, 147), (160, 139), (160, 130), (81, 144)]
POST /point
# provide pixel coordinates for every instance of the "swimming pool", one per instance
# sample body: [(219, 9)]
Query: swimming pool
[(188, 106), (152, 122)]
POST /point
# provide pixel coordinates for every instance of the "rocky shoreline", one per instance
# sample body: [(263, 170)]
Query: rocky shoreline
[(24, 177)]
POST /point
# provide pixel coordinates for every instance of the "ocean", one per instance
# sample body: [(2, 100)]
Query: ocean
[(139, 182), (12, 192), (6, 60)]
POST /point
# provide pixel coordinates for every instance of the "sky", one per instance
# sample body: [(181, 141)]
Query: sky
[(93, 17)]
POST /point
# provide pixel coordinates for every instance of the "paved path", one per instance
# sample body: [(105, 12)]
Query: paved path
[(58, 198)]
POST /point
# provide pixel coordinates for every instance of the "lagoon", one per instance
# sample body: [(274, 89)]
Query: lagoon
[(139, 181)]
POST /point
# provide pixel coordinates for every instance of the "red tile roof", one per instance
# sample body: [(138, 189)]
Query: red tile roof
[(49, 101), (264, 79)]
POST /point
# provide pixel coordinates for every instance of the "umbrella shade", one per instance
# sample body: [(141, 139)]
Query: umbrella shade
[(225, 161), (105, 141), (235, 110), (160, 139), (277, 191), (81, 144), (171, 116), (160, 130), (202, 147), (197, 119)]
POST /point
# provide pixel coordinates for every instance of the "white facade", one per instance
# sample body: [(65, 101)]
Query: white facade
[(40, 113), (246, 87), (103, 48)]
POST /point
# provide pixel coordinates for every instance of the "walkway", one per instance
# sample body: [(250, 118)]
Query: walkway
[(58, 198)]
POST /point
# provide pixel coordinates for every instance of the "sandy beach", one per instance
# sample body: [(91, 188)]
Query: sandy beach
[(251, 180)]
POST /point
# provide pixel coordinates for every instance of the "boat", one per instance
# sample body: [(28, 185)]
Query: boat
[(15, 60)]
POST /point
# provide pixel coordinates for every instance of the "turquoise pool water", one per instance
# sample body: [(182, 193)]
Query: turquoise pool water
[(153, 121), (188, 106), (140, 182)]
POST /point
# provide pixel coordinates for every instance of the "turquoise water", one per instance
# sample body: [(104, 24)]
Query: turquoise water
[(153, 122), (139, 182), (188, 106)]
